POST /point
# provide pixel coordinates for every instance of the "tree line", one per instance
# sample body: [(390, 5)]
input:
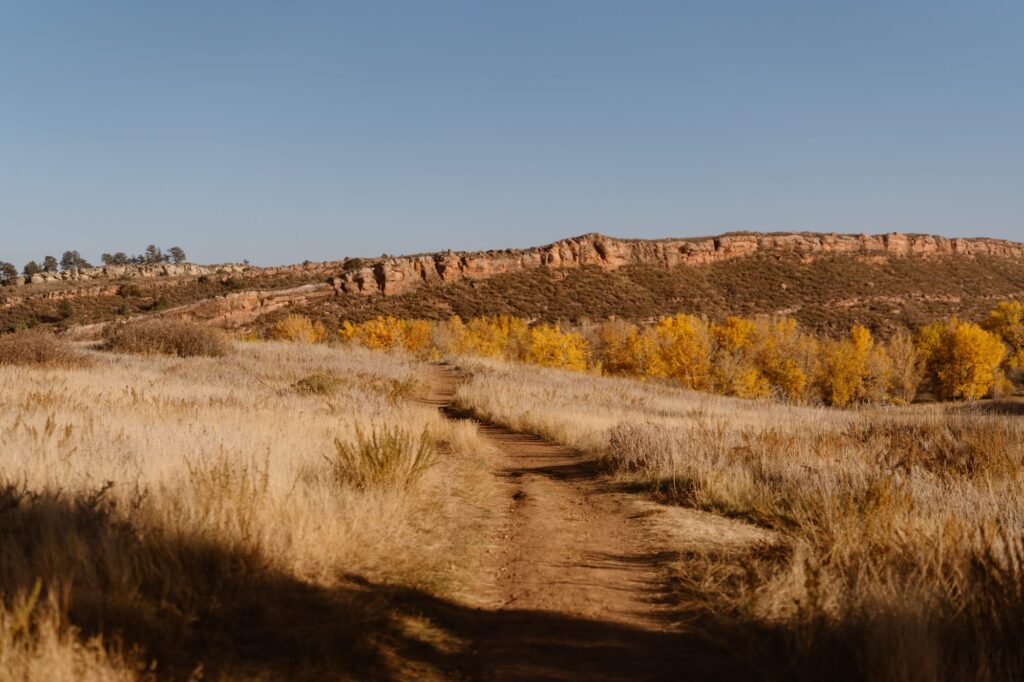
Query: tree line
[(763, 357), (73, 260)]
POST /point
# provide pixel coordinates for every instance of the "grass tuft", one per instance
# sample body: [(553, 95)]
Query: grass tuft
[(387, 456)]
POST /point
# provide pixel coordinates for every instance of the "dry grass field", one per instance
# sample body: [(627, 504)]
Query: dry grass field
[(204, 517), (176, 505), (894, 536)]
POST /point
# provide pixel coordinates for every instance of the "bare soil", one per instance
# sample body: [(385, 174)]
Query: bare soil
[(579, 578)]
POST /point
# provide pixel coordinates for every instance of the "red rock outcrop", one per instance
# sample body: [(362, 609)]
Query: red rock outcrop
[(398, 275)]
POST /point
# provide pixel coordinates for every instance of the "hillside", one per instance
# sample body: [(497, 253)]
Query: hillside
[(826, 281), (825, 295)]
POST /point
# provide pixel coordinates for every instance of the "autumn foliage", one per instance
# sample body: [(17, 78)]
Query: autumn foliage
[(389, 333), (1006, 321), (767, 357), (300, 329), (963, 360)]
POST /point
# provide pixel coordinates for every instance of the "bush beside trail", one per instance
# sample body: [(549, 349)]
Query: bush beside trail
[(167, 337)]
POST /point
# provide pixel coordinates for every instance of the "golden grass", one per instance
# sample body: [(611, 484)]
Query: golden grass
[(188, 514), (897, 550)]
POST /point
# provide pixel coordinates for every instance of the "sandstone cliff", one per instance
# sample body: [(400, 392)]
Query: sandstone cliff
[(393, 276)]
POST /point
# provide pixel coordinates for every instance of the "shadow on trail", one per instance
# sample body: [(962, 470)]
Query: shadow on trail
[(459, 414), (577, 471), (185, 602)]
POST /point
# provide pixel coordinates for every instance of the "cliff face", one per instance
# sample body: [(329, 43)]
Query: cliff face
[(394, 276)]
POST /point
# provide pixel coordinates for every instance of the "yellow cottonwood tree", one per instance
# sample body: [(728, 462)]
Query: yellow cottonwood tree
[(961, 358), (381, 333), (1006, 321), (549, 346), (501, 336), (622, 348), (845, 367), (740, 357), (736, 370), (683, 351), (418, 338), (787, 358), (387, 333), (735, 333)]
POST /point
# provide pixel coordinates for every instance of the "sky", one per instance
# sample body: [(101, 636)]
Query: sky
[(282, 131)]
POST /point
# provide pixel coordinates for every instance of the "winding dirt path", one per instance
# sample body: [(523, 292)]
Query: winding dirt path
[(578, 577)]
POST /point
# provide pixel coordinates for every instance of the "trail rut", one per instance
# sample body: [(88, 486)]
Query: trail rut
[(578, 582)]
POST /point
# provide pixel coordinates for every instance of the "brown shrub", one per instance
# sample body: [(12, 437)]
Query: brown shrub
[(170, 337), (36, 347)]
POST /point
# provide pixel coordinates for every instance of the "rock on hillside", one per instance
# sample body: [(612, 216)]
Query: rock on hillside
[(249, 293), (398, 275), (131, 272)]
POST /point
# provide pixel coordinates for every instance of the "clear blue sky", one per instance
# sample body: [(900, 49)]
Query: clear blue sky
[(281, 131)]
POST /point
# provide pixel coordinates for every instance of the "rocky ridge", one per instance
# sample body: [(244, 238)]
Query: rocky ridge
[(129, 272), (392, 276), (398, 275)]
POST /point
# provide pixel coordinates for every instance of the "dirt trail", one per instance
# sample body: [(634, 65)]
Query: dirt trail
[(578, 584)]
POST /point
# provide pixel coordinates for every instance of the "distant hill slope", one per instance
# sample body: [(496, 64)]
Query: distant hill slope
[(826, 281), (826, 294)]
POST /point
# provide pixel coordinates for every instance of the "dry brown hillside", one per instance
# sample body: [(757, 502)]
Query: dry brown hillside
[(826, 281)]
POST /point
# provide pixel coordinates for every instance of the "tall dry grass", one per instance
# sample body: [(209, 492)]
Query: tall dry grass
[(897, 548), (170, 517)]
